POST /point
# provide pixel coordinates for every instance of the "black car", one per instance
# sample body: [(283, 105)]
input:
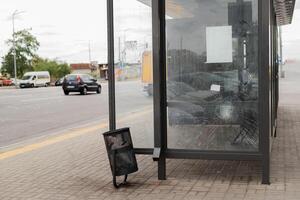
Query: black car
[(59, 82), (82, 83)]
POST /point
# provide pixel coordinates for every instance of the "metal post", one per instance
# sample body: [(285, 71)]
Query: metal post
[(264, 98), (111, 67), (159, 83)]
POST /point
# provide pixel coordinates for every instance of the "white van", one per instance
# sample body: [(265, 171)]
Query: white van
[(35, 79)]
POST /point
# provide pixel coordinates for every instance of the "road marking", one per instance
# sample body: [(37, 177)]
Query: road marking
[(66, 136)]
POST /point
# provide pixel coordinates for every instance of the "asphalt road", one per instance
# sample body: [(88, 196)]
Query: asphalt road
[(36, 112)]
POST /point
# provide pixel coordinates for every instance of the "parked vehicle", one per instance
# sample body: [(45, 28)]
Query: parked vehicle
[(82, 83), (5, 81), (35, 79), (59, 82), (15, 82), (147, 76)]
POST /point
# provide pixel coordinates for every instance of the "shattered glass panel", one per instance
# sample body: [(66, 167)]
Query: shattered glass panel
[(212, 74)]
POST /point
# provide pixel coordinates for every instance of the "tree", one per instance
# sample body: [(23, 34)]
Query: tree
[(55, 69), (26, 47)]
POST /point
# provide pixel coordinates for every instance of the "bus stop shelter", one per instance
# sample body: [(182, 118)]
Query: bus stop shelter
[(212, 68)]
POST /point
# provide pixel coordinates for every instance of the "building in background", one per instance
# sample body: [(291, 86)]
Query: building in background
[(103, 71), (94, 69), (81, 68)]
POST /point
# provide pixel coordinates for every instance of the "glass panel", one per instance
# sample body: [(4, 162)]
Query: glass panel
[(212, 74), (133, 69)]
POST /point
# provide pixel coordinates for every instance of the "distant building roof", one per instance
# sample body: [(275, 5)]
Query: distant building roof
[(78, 66)]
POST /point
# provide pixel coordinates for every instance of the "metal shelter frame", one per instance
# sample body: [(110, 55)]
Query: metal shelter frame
[(267, 15)]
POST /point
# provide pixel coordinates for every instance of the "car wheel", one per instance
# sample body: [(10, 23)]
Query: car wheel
[(99, 90), (66, 92), (32, 85), (84, 91)]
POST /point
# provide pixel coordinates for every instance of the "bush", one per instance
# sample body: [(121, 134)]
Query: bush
[(56, 70)]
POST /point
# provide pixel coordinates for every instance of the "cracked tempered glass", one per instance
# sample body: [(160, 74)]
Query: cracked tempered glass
[(212, 74)]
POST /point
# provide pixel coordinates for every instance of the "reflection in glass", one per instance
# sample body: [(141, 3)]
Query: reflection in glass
[(133, 69), (212, 74)]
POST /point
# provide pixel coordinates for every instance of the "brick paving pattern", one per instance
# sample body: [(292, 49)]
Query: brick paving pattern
[(78, 169)]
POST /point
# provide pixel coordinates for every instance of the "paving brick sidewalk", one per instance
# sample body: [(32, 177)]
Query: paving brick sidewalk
[(78, 168)]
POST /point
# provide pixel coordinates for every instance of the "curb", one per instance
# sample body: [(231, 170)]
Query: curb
[(7, 87)]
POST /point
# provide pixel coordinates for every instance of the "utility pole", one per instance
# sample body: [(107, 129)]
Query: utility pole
[(15, 13), (14, 47), (119, 50), (90, 57)]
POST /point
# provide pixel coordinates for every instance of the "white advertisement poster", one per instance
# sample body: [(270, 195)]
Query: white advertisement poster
[(219, 44)]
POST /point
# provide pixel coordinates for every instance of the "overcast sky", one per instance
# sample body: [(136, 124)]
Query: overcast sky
[(65, 27)]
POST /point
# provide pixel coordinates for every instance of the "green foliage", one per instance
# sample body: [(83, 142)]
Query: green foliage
[(23, 64), (26, 47), (55, 69), (27, 60)]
